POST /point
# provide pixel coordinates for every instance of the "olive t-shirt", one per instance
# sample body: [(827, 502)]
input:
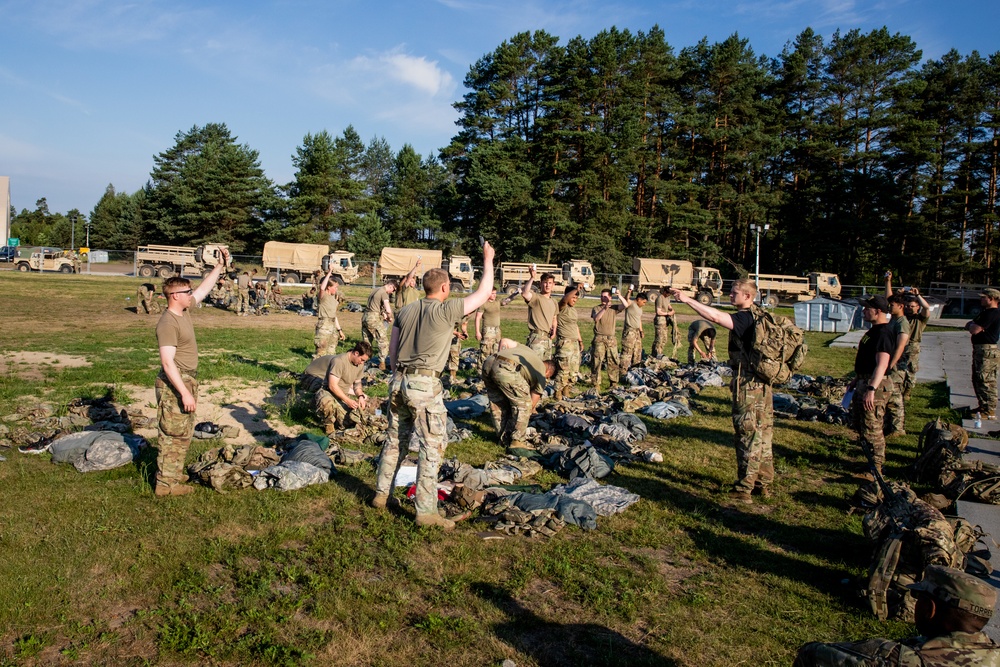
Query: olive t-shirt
[(532, 366), (662, 302), (178, 331), (633, 317), (406, 295), (243, 281), (342, 368), (375, 306), (899, 326), (989, 320), (918, 323), (701, 329), (541, 310), (567, 326), (320, 366), (606, 325), (880, 338), (328, 304), (491, 313), (425, 332)]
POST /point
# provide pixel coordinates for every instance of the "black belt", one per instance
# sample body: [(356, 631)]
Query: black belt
[(420, 371)]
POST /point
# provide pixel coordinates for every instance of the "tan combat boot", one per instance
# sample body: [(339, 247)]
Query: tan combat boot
[(558, 396), (380, 501), (435, 519)]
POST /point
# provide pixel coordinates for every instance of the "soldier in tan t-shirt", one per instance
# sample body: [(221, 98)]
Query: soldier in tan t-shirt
[(377, 313), (177, 384), (541, 313), (633, 333), (604, 349), (328, 332), (515, 380), (343, 394), (487, 328)]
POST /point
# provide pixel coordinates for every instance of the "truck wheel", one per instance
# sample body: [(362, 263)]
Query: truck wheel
[(291, 277), (772, 301), (146, 271), (704, 298), (24, 267), (165, 271), (457, 286), (65, 268), (271, 275)]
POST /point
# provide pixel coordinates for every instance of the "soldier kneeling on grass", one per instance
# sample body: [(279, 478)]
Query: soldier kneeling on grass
[(952, 609), (343, 395), (515, 379)]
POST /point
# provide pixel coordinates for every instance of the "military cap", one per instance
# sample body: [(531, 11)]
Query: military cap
[(878, 301), (958, 589), (991, 293)]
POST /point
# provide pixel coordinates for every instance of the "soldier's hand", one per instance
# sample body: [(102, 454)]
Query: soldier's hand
[(488, 253), (341, 335), (479, 336), (869, 400), (188, 402)]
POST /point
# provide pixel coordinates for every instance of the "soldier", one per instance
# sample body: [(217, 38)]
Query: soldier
[(895, 411), (488, 328), (328, 332), (277, 300), (952, 608), (418, 350), (243, 294), (515, 380), (985, 330), (343, 394), (604, 348), (408, 292), (314, 376), (541, 313), (753, 404), (146, 297), (872, 385), (633, 333), (455, 351), (309, 299), (664, 318), (569, 343), (918, 312), (701, 331), (377, 313), (177, 384)]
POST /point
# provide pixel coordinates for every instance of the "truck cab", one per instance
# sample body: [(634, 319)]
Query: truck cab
[(345, 271), (709, 282), (825, 284), (461, 272), (578, 271), (45, 259)]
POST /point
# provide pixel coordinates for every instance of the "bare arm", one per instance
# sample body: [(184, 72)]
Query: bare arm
[(167, 354), (713, 315), (474, 301), (326, 279), (333, 384), (406, 278), (901, 342), (479, 325), (888, 284), (881, 366), (205, 286), (698, 349), (526, 292)]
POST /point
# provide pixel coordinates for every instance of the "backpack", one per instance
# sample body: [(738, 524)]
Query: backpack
[(779, 347), (940, 443)]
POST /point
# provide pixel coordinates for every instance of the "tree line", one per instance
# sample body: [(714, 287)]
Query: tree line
[(859, 156)]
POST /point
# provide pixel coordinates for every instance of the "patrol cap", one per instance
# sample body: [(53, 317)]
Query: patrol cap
[(991, 293), (958, 589), (878, 301)]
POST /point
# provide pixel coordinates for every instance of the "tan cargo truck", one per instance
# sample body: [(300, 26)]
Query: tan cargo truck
[(703, 283), (50, 260), (578, 271), (168, 260), (776, 288), (397, 262), (295, 262)]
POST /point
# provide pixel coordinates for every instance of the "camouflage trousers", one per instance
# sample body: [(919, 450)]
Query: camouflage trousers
[(332, 413), (373, 333), (416, 404), (454, 355), (895, 408), (912, 367), (604, 352), (541, 344), (568, 360), (489, 345), (326, 337), (510, 400), (175, 427), (631, 349), (148, 306), (985, 360), (243, 301), (661, 323), (753, 426), (869, 424), (311, 383)]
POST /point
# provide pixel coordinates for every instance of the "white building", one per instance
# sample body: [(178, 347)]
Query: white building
[(4, 209)]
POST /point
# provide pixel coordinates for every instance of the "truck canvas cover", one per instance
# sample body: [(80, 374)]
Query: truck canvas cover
[(399, 261), (294, 255), (663, 271)]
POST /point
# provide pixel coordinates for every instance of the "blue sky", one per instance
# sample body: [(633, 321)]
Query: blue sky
[(91, 90)]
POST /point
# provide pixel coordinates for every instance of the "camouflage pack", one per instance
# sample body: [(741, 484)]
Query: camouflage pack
[(940, 444), (779, 347)]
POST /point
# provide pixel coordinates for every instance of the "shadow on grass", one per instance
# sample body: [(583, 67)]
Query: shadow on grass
[(558, 644)]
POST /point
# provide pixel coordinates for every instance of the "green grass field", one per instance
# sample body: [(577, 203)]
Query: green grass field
[(95, 570)]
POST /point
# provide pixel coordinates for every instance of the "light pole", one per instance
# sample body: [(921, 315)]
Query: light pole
[(72, 233), (758, 229)]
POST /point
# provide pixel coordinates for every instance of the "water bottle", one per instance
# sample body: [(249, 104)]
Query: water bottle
[(979, 421)]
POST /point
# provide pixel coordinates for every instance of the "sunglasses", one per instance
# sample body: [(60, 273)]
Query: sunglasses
[(184, 291)]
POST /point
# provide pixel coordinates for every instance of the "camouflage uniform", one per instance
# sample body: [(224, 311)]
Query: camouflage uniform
[(455, 351), (147, 301), (331, 413), (661, 323), (541, 344), (631, 354), (327, 334), (175, 428), (373, 324), (243, 298), (541, 311), (753, 416), (568, 355), (604, 352), (506, 376), (489, 344), (869, 425), (985, 362), (918, 323), (895, 410)]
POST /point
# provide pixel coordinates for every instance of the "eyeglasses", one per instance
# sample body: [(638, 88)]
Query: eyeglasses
[(184, 291)]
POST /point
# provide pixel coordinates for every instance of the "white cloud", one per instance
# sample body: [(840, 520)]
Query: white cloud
[(420, 73)]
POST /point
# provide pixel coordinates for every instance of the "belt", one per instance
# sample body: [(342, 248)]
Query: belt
[(193, 374), (609, 336), (982, 346), (420, 371)]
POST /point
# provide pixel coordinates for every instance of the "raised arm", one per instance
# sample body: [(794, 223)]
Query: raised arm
[(526, 292), (482, 294), (205, 286), (713, 315)]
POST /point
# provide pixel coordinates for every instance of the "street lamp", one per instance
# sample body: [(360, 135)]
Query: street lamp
[(758, 230), (72, 233)]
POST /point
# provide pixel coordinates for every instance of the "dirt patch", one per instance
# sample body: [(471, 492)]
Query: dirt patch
[(32, 365), (228, 403)]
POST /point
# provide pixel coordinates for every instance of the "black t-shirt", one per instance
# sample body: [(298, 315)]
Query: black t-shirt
[(989, 320), (877, 339), (743, 332)]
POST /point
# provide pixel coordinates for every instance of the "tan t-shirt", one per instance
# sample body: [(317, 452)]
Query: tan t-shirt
[(662, 302), (567, 327), (541, 310), (425, 332), (633, 317), (491, 313), (328, 305), (320, 366), (606, 325), (532, 366), (918, 323), (406, 295), (178, 331), (341, 367), (375, 306)]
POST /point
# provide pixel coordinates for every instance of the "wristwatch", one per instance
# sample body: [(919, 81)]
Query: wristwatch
[(870, 388)]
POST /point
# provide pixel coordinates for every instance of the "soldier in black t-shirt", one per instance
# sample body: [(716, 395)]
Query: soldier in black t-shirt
[(872, 385), (985, 330)]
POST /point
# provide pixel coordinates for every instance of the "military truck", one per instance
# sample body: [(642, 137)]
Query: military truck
[(578, 271), (703, 283), (47, 259), (166, 261), (294, 262), (397, 262), (776, 288)]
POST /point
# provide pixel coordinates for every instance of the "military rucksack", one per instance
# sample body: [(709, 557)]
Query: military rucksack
[(939, 442), (779, 347)]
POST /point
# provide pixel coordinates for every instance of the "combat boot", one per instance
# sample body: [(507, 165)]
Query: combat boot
[(166, 489), (380, 501), (740, 496), (435, 519), (558, 396)]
